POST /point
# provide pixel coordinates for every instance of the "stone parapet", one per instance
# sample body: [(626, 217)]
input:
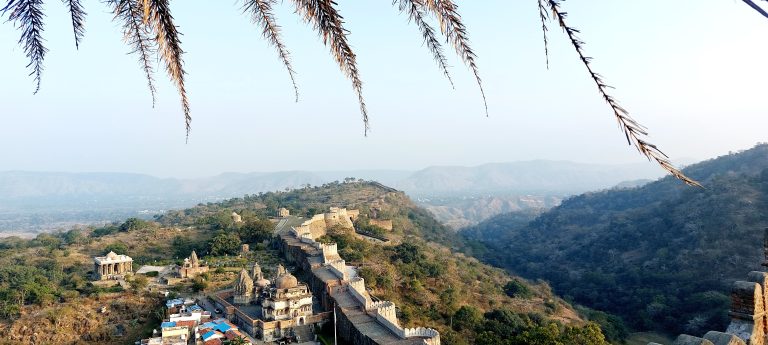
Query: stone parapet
[(720, 338)]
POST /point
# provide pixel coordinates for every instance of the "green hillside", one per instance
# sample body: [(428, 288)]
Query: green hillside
[(661, 255), (467, 301)]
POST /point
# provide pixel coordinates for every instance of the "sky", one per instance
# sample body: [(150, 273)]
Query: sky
[(693, 72)]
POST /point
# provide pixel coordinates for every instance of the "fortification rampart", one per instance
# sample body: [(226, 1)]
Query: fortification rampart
[(360, 320), (749, 320)]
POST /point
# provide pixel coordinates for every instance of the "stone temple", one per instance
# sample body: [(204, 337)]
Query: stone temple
[(271, 310), (287, 299), (192, 267), (112, 266), (284, 300)]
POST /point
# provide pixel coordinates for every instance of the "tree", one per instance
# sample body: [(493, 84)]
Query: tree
[(225, 244), (75, 236), (587, 335), (117, 247), (517, 289), (199, 284), (48, 240), (408, 252), (149, 23), (139, 282), (132, 224), (236, 341), (256, 230), (467, 317)]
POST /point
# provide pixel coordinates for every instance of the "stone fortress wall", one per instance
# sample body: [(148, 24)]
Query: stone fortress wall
[(360, 319), (749, 321), (319, 223)]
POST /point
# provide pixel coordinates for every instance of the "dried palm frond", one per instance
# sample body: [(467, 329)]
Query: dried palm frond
[(261, 13), (633, 131), (136, 35), (323, 15), (77, 13), (453, 28), (544, 16), (27, 16), (756, 7), (415, 13), (158, 16)]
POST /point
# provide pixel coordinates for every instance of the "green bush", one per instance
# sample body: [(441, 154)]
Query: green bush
[(517, 289)]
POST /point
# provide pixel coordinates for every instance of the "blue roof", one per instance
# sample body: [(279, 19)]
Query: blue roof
[(174, 302), (208, 325), (167, 324), (222, 327), (194, 307), (208, 335)]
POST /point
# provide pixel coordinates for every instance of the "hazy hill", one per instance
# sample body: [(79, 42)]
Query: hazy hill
[(459, 196), (661, 255), (460, 212), (532, 177)]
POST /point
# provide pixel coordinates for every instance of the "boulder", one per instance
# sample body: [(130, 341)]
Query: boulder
[(685, 339), (720, 338)]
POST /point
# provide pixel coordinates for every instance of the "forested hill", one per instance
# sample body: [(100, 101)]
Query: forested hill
[(467, 301), (661, 255)]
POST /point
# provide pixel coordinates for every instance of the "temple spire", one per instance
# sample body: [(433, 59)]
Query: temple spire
[(194, 260)]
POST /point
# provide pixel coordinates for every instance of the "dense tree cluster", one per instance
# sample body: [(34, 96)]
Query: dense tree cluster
[(503, 327), (662, 256)]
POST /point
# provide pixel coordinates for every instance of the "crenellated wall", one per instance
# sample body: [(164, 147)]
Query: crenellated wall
[(748, 316), (329, 279), (339, 268), (357, 289)]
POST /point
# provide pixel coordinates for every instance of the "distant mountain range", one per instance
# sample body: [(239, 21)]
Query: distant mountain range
[(55, 197), (662, 255), (531, 177)]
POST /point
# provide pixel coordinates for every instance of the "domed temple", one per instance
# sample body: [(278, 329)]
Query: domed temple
[(287, 299), (277, 307)]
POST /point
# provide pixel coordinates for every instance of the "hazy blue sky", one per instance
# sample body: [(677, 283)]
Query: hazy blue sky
[(694, 72)]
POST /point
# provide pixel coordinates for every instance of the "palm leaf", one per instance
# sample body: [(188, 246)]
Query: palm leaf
[(324, 17), (544, 17), (27, 16), (454, 30), (633, 131), (415, 14), (136, 35), (261, 13), (77, 13), (756, 7), (157, 14)]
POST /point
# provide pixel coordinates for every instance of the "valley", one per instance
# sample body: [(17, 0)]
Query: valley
[(663, 256)]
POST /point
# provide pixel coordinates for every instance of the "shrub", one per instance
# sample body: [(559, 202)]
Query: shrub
[(517, 289)]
